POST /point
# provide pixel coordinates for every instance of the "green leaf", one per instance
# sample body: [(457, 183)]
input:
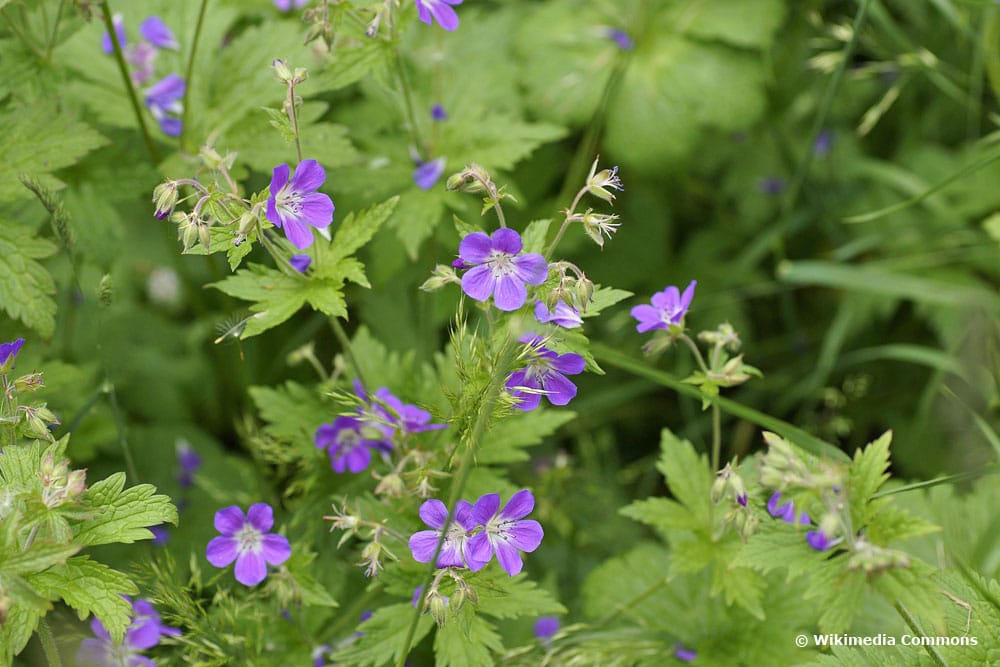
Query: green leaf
[(16, 632), (745, 23), (604, 297), (90, 587), (866, 476), (662, 514), (123, 515), (502, 596), (37, 140), (534, 236), (357, 230), (37, 558), (687, 474), (276, 295), (505, 442), (471, 643), (742, 586), (26, 287), (351, 63), (385, 632)]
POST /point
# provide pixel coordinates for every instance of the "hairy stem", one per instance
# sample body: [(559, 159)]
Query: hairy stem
[(569, 214), (127, 78), (51, 41), (189, 72), (122, 438), (345, 345), (48, 644)]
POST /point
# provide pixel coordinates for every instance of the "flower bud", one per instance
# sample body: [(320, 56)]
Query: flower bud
[(106, 289), (437, 604), (165, 198), (391, 485), (441, 276), (29, 382), (281, 70), (718, 488), (204, 235)]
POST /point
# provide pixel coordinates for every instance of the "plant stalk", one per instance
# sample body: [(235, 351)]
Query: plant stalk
[(189, 72)]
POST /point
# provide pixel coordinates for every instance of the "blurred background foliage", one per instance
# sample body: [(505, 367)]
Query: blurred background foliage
[(844, 216)]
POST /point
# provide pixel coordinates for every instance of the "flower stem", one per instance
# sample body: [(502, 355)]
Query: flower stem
[(120, 428), (345, 345), (127, 78), (404, 84), (189, 72), (483, 415), (565, 224), (48, 644), (51, 42), (716, 435)]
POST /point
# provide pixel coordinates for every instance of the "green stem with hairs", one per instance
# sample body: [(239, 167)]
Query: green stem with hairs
[(189, 72), (493, 391), (345, 345), (51, 41), (48, 644), (127, 78)]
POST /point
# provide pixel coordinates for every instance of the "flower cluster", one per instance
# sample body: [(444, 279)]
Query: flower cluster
[(479, 531), (144, 633), (163, 98), (295, 206), (378, 424), (820, 539), (545, 375), (246, 540)]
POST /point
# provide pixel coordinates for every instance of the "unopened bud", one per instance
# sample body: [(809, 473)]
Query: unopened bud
[(105, 289), (29, 382), (281, 70), (437, 604), (165, 198), (391, 485), (441, 276)]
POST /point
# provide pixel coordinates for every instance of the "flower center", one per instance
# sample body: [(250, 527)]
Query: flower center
[(249, 538), (348, 438), (501, 263), (289, 201)]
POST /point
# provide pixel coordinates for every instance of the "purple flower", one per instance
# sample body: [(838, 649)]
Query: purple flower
[(158, 34), (163, 99), (562, 315), (545, 627), (785, 511), (295, 205), (246, 540), (286, 5), (772, 185), (418, 593), (456, 550), (505, 532), (545, 374), (347, 448), (668, 309), (119, 23), (319, 654), (405, 417), (684, 654), (499, 269), (438, 113), (160, 535), (742, 499), (143, 633), (188, 461), (428, 173), (439, 10), (818, 540), (142, 57), (300, 262), (8, 353), (823, 144), (621, 38)]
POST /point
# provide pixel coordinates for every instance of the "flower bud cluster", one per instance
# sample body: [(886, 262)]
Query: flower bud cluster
[(872, 559), (60, 485), (38, 421)]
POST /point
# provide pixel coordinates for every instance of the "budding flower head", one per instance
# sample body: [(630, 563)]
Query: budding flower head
[(598, 182), (165, 198), (470, 179)]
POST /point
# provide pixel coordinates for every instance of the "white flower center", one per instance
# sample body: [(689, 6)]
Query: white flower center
[(289, 201), (501, 263), (249, 538)]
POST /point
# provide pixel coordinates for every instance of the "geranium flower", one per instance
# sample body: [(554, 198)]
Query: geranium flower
[(668, 309), (106, 44), (300, 262), (295, 206), (785, 511), (455, 552), (8, 353), (286, 5), (347, 448), (505, 532), (819, 540), (188, 461), (498, 268), (428, 173), (440, 11), (143, 633), (163, 99), (562, 315), (438, 113), (246, 540), (545, 374), (546, 627), (158, 34)]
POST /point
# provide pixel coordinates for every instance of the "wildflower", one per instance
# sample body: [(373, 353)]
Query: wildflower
[(8, 353), (158, 34), (295, 205), (456, 550), (300, 262), (428, 173), (823, 144), (498, 268), (163, 99), (545, 374), (667, 310), (621, 38), (785, 511), (546, 627), (598, 182), (345, 444), (143, 633), (818, 540), (286, 5), (772, 185), (319, 654), (684, 654), (142, 57), (188, 461), (246, 540), (407, 418), (160, 535), (106, 44), (438, 113), (439, 10), (505, 532), (562, 315)]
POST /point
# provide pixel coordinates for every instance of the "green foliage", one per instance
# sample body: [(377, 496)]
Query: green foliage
[(120, 515), (385, 632), (26, 287)]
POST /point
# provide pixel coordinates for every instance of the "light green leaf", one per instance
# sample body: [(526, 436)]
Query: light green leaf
[(123, 515), (866, 476), (460, 644), (663, 514), (26, 287), (503, 596), (37, 558), (385, 632), (534, 236), (505, 442), (90, 587), (687, 475), (357, 230)]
